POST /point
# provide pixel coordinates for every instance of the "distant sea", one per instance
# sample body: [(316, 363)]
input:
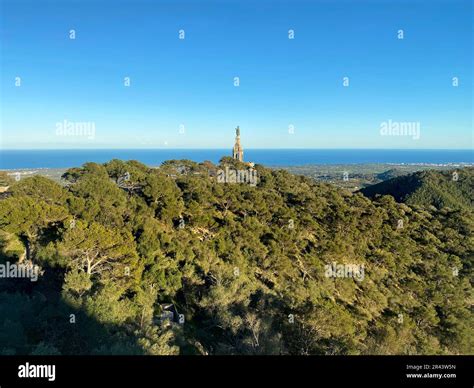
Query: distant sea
[(26, 159)]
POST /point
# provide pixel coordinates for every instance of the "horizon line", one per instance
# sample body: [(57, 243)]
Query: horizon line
[(218, 149)]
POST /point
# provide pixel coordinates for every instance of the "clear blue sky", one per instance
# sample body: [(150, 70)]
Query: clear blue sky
[(190, 82)]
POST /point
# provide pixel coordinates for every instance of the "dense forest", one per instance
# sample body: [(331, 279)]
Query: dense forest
[(437, 188), (172, 260)]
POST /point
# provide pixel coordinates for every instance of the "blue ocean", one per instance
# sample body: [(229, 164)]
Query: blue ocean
[(25, 159)]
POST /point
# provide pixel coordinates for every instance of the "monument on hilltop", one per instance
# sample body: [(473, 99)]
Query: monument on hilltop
[(238, 151)]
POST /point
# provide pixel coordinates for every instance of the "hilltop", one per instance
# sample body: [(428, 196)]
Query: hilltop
[(453, 189)]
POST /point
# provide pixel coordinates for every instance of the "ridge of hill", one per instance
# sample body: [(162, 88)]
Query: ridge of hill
[(453, 189)]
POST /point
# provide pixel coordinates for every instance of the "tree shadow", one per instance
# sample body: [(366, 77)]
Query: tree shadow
[(35, 319)]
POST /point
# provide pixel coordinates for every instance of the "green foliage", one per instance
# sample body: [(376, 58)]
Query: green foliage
[(245, 266), (452, 189), (5, 179), (93, 248), (77, 282), (42, 189)]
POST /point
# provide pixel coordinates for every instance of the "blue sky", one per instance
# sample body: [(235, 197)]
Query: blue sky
[(283, 82)]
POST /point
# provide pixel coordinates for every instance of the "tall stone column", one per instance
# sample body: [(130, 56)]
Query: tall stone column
[(238, 151)]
